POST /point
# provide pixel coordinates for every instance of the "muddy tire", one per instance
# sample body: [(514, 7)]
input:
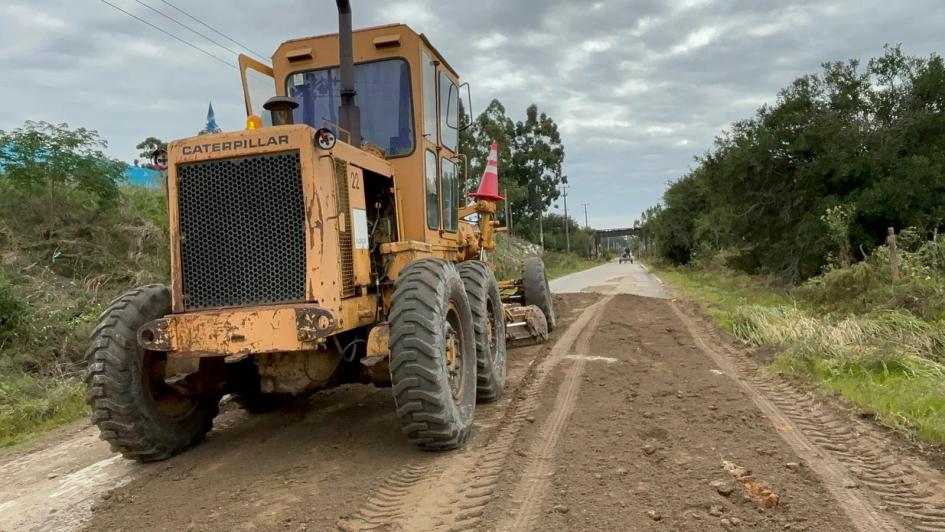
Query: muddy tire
[(537, 291), (432, 355), (485, 303), (136, 412)]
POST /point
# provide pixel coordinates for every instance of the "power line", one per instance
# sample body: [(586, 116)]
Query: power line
[(169, 34), (214, 30), (188, 28)]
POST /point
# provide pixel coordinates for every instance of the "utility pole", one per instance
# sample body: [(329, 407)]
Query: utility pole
[(567, 221), (586, 225), (541, 232)]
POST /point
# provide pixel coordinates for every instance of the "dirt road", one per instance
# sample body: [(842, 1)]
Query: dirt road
[(636, 415)]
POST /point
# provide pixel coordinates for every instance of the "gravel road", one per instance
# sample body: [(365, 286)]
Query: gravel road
[(636, 415)]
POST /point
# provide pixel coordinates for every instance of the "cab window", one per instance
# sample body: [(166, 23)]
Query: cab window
[(449, 112), (383, 96), (429, 98), (450, 199), (433, 196)]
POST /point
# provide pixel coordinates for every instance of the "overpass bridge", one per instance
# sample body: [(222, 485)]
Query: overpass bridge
[(601, 234)]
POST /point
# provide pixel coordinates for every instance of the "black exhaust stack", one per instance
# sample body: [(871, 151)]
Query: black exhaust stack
[(348, 113)]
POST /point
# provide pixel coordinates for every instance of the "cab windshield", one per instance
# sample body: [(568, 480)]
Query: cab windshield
[(383, 97)]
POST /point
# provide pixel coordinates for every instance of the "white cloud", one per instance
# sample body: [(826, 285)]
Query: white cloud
[(491, 41), (695, 40)]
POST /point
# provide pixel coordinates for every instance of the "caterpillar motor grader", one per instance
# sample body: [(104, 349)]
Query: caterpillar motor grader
[(325, 244)]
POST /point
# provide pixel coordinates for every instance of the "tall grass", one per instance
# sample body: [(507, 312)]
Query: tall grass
[(842, 337)]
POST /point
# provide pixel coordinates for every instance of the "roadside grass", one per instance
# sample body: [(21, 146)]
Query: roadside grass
[(560, 264), (905, 392), (723, 291), (887, 361), (31, 405)]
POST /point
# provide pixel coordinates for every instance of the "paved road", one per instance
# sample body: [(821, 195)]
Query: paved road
[(612, 278)]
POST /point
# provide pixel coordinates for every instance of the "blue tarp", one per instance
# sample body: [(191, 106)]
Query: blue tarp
[(136, 175), (143, 177)]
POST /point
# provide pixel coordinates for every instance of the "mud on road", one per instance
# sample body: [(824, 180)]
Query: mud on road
[(636, 415)]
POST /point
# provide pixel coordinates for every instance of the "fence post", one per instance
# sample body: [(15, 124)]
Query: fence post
[(893, 255)]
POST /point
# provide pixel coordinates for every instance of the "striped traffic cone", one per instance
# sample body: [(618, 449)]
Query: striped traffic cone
[(489, 184)]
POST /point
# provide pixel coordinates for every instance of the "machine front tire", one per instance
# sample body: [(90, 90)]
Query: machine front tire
[(537, 291), (136, 412), (489, 323), (433, 355)]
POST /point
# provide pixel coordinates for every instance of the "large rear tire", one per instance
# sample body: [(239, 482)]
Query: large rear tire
[(485, 303), (537, 291), (432, 355), (137, 413)]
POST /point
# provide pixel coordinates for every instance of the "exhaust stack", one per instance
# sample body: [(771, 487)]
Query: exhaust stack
[(348, 112)]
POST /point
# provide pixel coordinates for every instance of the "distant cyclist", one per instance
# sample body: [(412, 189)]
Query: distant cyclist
[(627, 255)]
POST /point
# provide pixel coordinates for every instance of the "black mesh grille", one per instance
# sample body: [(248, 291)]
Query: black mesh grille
[(242, 226), (345, 253)]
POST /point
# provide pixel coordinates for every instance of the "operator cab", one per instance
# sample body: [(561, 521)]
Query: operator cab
[(409, 102)]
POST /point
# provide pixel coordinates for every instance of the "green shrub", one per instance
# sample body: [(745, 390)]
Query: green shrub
[(12, 311), (843, 284)]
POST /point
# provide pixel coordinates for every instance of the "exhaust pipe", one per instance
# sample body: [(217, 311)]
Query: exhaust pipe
[(348, 112)]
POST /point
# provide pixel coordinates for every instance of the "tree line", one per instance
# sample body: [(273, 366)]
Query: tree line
[(817, 177)]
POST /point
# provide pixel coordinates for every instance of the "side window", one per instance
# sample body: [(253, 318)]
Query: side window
[(433, 196), (429, 98), (449, 112), (450, 195)]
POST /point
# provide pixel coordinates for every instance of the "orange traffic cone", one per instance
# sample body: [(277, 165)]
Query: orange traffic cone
[(489, 184)]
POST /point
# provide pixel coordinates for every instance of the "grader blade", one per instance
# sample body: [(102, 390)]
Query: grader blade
[(525, 325)]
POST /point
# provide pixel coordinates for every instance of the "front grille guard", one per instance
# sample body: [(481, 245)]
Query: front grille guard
[(242, 231)]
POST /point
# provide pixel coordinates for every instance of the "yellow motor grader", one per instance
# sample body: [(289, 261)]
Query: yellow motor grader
[(327, 243)]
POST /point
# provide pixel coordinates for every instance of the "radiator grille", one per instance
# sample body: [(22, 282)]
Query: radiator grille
[(242, 229), (345, 256)]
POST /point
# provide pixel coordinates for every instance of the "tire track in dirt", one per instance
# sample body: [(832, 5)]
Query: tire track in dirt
[(838, 450), (450, 491), (534, 484)]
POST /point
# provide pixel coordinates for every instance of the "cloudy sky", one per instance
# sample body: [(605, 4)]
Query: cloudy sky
[(638, 87)]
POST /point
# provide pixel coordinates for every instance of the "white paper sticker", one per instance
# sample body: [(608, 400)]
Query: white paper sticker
[(359, 224), (298, 79)]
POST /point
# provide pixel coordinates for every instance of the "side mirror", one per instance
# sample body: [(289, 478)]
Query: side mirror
[(467, 103), (452, 114)]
